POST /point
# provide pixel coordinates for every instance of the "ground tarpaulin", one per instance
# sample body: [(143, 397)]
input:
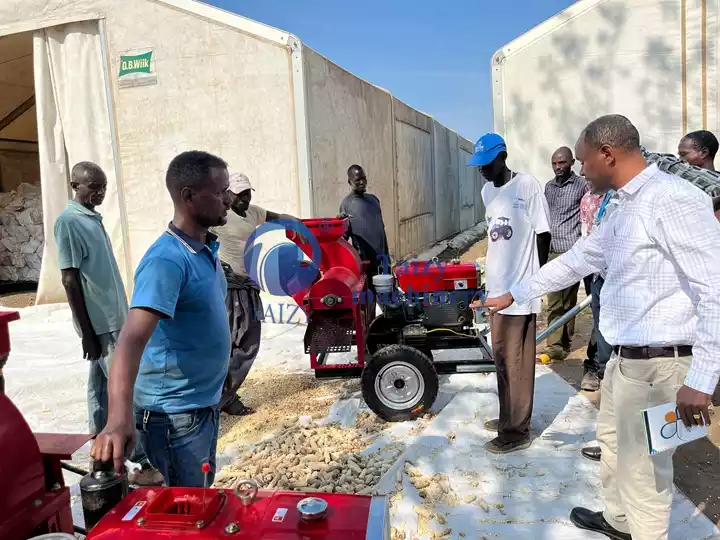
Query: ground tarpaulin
[(524, 495)]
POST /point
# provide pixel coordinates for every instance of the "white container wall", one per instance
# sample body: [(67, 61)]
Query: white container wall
[(349, 122), (273, 108), (654, 62), (411, 160)]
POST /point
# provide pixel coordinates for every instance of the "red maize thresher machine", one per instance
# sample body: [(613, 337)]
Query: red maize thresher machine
[(425, 307), (35, 501)]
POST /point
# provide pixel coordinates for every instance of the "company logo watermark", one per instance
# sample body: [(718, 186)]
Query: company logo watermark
[(283, 269)]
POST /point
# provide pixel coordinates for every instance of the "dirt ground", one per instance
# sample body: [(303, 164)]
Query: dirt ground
[(697, 464), (17, 300)]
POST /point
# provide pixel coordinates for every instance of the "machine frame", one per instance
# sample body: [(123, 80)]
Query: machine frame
[(339, 319)]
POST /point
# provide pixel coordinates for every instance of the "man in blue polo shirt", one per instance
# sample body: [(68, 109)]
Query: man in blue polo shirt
[(175, 345)]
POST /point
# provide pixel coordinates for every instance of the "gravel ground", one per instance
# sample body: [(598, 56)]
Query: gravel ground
[(17, 300), (277, 400)]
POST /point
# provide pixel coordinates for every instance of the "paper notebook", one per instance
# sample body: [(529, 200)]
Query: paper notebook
[(664, 429)]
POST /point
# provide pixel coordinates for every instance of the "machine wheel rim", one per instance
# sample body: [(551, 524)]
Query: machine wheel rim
[(395, 396)]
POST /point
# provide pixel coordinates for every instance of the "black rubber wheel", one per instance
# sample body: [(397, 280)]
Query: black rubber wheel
[(399, 383), (381, 333), (494, 235), (427, 352)]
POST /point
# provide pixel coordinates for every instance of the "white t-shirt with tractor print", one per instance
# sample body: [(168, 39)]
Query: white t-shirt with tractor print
[(516, 213)]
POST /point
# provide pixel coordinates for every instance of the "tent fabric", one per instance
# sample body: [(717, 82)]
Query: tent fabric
[(73, 126)]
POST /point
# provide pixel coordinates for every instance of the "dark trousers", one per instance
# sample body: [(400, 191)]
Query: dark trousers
[(592, 346), (559, 341), (513, 343), (600, 355), (242, 358)]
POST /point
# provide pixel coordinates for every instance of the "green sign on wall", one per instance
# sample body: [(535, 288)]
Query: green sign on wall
[(135, 64), (137, 68)]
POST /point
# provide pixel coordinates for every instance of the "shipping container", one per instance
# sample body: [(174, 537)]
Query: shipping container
[(655, 62), (131, 84)]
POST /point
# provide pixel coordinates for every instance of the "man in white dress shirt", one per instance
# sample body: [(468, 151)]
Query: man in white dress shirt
[(659, 248)]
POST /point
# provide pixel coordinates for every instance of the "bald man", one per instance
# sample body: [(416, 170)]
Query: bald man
[(92, 282), (563, 194), (96, 294)]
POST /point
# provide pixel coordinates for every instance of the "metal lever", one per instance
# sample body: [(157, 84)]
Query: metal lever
[(562, 320), (246, 496)]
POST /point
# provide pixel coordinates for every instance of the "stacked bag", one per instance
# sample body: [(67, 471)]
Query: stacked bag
[(21, 234)]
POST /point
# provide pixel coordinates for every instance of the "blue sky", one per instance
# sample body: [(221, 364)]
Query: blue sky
[(432, 54)]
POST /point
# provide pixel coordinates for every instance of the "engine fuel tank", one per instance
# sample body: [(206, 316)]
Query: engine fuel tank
[(433, 276), (205, 514)]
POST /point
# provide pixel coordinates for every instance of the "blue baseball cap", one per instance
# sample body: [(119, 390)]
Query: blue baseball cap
[(487, 149)]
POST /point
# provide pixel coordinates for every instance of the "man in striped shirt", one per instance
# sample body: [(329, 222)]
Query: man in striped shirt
[(563, 194)]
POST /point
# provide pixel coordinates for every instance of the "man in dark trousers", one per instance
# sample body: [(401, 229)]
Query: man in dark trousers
[(175, 346), (519, 233), (244, 305), (96, 294), (367, 229), (563, 193)]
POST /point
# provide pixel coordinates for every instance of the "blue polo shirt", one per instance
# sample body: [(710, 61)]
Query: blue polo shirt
[(186, 360)]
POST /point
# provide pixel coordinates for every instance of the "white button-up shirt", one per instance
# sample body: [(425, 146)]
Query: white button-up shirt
[(659, 249)]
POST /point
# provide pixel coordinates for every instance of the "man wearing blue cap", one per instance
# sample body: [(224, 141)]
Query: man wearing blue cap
[(519, 231)]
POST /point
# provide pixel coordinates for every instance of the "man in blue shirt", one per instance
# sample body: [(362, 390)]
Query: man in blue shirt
[(175, 345)]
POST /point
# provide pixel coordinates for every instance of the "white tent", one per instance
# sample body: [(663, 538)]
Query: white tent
[(131, 84), (655, 62)]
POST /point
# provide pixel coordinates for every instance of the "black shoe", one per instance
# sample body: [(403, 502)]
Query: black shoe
[(590, 381), (585, 519), (491, 425), (498, 446), (591, 452)]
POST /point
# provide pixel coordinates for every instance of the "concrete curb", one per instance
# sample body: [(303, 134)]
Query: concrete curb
[(459, 243)]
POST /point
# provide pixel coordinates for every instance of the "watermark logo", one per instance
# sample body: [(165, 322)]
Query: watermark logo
[(283, 269)]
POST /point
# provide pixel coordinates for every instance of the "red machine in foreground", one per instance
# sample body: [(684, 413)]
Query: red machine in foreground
[(425, 308), (244, 513), (34, 499)]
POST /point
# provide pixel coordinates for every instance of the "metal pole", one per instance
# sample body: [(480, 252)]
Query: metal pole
[(73, 469), (562, 320)]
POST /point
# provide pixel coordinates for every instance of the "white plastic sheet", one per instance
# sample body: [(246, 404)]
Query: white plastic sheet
[(537, 488)]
